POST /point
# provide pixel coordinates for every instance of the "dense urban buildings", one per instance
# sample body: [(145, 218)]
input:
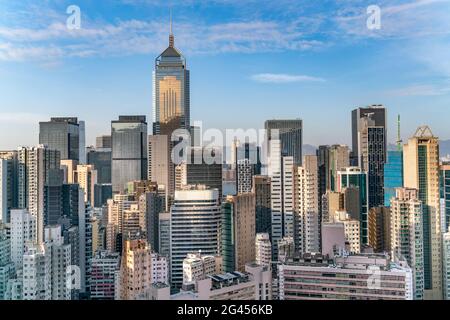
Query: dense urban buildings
[(173, 215)]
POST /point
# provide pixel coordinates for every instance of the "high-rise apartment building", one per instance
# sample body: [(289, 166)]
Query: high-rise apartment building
[(105, 265), (238, 231), (407, 234), (37, 273), (379, 225), (263, 250), (86, 177), (306, 195), (129, 151), (314, 276), (198, 267), (445, 195), (36, 166), (446, 263), (195, 224), (7, 269), (23, 233), (421, 172), (8, 184)]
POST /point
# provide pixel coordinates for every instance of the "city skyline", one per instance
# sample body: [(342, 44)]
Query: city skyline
[(291, 52)]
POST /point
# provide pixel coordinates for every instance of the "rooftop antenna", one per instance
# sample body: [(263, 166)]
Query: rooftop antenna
[(171, 37)]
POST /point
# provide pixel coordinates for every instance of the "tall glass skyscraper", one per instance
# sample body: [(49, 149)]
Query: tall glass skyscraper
[(129, 151), (171, 91), (445, 194), (63, 135), (393, 175), (356, 178), (291, 137), (369, 142)]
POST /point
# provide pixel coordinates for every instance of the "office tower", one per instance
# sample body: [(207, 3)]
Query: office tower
[(238, 231), (37, 273), (129, 151), (159, 162), (196, 136), (198, 267), (7, 269), (8, 184), (151, 204), (445, 195), (306, 195), (164, 234), (69, 167), (135, 269), (290, 133), (35, 166), (446, 263), (331, 202), (53, 197), (263, 249), (100, 158), (407, 234), (103, 142), (104, 267), (262, 191), (23, 232), (333, 238), (73, 202), (247, 163), (194, 225), (102, 193), (203, 167), (421, 171), (60, 262), (379, 224), (171, 91), (331, 159), (351, 230), (82, 142), (63, 135), (393, 175), (316, 277), (86, 177), (281, 173), (357, 178), (369, 137)]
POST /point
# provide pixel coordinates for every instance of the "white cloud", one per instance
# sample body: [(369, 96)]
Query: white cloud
[(420, 90), (284, 78)]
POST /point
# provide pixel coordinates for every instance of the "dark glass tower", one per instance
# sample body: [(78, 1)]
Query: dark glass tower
[(291, 137), (63, 135), (129, 151)]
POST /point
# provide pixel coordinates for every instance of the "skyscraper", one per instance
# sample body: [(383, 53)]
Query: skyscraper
[(194, 225), (171, 91), (306, 195), (8, 184), (63, 135), (281, 173), (129, 151), (261, 189), (290, 133), (369, 136), (445, 194), (421, 172), (36, 166), (393, 175), (357, 178), (407, 234)]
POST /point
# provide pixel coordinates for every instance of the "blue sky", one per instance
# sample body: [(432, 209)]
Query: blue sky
[(249, 60)]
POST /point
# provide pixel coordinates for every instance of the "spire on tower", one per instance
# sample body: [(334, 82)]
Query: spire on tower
[(399, 136), (171, 37)]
